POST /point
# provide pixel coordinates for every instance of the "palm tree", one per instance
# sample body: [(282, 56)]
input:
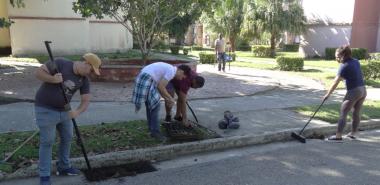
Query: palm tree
[(226, 18), (270, 16)]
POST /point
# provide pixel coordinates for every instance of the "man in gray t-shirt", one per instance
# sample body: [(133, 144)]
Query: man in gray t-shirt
[(52, 113)]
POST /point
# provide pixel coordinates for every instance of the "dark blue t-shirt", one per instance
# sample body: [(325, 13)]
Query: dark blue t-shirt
[(351, 72), (50, 95)]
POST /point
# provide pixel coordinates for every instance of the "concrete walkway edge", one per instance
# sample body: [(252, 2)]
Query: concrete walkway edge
[(167, 152)]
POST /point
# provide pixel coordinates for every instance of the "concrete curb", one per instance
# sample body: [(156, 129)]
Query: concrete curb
[(166, 152)]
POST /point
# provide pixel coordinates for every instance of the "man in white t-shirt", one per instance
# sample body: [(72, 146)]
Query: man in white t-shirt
[(220, 50), (150, 85)]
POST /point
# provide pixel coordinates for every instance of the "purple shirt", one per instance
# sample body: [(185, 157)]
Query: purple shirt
[(182, 85)]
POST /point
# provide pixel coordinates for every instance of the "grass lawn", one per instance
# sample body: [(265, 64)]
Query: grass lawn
[(330, 112), (98, 139), (256, 65)]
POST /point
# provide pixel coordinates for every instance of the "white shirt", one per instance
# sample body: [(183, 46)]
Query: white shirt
[(220, 46), (160, 70)]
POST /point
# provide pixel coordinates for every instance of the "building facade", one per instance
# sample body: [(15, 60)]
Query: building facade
[(55, 20), (340, 22)]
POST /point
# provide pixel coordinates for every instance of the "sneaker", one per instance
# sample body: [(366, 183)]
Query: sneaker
[(333, 138), (159, 137), (69, 171), (45, 180), (168, 119)]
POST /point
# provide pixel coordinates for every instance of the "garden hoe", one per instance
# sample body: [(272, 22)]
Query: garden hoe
[(195, 117), (299, 136)]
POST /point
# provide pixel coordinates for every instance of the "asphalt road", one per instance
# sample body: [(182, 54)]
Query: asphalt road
[(353, 162)]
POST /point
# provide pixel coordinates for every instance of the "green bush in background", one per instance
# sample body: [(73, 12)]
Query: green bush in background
[(243, 45), (290, 63), (261, 50), (196, 48), (174, 49), (185, 51), (207, 58), (371, 70), (358, 53), (291, 47)]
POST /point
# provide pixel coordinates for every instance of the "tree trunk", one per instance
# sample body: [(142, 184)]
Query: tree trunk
[(273, 44), (232, 43)]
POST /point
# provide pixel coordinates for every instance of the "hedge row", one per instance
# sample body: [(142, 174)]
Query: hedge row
[(175, 49), (261, 51), (371, 71), (290, 63), (291, 47), (207, 58), (358, 53)]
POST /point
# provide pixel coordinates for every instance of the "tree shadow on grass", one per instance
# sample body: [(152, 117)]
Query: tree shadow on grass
[(312, 71)]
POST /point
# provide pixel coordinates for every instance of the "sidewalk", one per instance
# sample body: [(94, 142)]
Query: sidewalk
[(261, 99)]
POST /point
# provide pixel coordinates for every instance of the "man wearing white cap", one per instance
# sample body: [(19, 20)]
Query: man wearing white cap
[(53, 114)]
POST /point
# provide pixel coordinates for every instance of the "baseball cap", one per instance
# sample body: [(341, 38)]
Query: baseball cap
[(94, 61)]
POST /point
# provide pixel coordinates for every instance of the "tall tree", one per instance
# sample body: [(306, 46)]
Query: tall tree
[(4, 23), (273, 17), (143, 18), (226, 17)]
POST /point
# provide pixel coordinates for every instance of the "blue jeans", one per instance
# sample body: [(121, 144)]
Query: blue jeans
[(152, 116), (48, 121), (221, 61)]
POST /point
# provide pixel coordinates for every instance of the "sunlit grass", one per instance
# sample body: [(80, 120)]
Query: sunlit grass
[(330, 112)]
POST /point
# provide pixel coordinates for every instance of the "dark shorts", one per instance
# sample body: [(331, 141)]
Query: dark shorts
[(356, 93)]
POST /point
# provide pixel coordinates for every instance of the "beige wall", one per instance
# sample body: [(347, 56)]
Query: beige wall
[(4, 32), (70, 33), (329, 25), (318, 38)]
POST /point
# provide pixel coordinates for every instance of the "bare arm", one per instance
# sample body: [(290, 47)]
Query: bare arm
[(42, 73), (84, 102), (333, 87), (164, 93)]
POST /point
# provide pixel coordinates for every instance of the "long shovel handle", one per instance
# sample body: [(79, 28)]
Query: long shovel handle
[(79, 138), (195, 117), (312, 116)]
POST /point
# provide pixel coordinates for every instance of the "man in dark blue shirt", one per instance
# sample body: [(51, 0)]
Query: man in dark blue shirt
[(52, 113)]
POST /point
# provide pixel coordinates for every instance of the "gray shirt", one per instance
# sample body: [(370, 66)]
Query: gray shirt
[(50, 95)]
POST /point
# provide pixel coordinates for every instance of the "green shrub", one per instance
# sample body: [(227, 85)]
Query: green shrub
[(291, 47), (243, 45), (196, 48), (174, 49), (290, 63), (207, 58), (330, 53), (161, 46), (358, 53), (185, 51), (261, 51), (371, 71)]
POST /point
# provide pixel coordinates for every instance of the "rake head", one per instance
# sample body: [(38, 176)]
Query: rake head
[(298, 137)]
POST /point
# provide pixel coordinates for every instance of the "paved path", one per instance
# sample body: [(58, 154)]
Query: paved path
[(261, 99)]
